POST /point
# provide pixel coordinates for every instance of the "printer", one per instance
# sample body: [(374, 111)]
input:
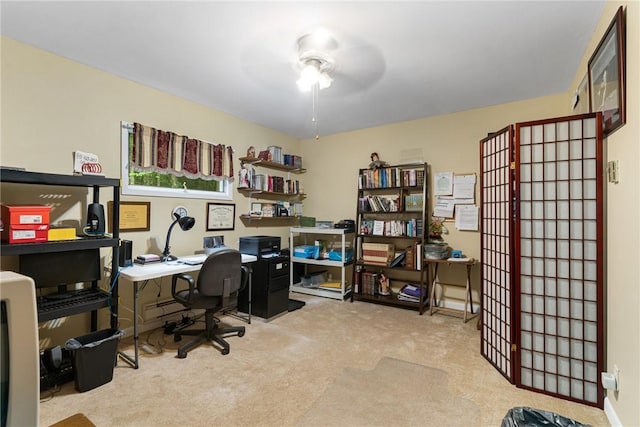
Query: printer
[(260, 246)]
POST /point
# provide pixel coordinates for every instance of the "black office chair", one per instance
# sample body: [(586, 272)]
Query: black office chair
[(220, 280)]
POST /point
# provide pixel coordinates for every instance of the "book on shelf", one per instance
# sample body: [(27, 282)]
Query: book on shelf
[(378, 228), (410, 257), (413, 202), (465, 259), (147, 258), (402, 297), (411, 292)]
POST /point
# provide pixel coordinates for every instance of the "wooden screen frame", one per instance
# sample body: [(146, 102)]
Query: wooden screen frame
[(493, 326), (600, 262)]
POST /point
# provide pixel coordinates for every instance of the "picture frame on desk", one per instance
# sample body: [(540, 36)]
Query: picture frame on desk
[(221, 216), (256, 210)]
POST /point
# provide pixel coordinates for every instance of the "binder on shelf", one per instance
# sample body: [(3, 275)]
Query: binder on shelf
[(397, 261)]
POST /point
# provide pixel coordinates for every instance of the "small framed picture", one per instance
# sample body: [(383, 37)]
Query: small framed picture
[(268, 210), (607, 76)]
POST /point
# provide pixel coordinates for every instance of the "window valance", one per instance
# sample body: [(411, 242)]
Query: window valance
[(167, 152)]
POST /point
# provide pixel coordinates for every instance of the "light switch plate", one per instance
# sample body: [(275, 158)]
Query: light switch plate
[(612, 171)]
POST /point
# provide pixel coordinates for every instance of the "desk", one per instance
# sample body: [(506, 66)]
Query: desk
[(140, 275), (434, 263)]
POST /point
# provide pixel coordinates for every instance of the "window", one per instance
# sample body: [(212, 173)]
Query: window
[(160, 163)]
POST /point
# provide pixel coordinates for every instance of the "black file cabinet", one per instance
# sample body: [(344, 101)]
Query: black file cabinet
[(269, 288)]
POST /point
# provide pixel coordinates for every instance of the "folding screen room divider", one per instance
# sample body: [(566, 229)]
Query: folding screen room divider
[(542, 253)]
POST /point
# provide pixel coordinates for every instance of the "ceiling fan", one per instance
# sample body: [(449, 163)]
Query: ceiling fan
[(315, 60)]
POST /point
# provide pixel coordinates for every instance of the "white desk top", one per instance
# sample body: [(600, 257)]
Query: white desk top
[(155, 270)]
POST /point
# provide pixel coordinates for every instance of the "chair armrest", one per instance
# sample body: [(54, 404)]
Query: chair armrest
[(244, 278), (184, 277)]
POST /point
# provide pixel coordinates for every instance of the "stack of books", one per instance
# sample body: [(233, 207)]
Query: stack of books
[(410, 292), (147, 258)]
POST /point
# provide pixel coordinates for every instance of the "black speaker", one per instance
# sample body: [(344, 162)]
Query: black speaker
[(126, 250), (95, 218)]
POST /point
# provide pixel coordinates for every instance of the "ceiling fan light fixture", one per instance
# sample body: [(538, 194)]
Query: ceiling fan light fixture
[(309, 76), (324, 81), (314, 71)]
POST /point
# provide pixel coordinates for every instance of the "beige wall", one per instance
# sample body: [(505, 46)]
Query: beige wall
[(623, 225), (446, 143), (52, 106)]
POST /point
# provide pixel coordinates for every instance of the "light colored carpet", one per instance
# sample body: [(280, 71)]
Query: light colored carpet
[(416, 395), (277, 372)]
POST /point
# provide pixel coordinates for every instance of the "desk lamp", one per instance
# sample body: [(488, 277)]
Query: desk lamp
[(186, 223)]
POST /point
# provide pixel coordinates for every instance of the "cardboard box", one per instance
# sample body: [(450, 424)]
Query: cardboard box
[(25, 233), (25, 214), (377, 253)]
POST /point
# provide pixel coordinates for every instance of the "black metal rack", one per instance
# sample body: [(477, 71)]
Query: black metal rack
[(77, 301)]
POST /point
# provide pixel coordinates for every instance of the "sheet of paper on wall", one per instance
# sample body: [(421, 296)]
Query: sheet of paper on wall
[(467, 217), (444, 207), (464, 186), (443, 183)]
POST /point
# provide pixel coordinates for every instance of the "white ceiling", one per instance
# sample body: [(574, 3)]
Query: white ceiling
[(395, 60)]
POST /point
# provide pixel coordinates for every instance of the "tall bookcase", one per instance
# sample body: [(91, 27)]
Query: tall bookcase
[(391, 227)]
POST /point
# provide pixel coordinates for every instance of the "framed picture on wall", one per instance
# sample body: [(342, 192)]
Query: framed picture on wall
[(220, 216), (607, 75)]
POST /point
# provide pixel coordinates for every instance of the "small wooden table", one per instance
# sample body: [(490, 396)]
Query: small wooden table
[(435, 263)]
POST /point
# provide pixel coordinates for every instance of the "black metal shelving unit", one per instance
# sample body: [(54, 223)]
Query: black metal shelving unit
[(90, 299)]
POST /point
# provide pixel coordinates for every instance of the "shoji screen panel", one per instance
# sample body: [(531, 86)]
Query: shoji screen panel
[(559, 247), (496, 184)]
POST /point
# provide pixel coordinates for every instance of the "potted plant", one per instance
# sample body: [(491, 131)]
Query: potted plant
[(437, 229), (436, 247)]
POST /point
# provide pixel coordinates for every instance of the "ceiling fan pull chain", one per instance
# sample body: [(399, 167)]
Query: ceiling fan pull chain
[(315, 97)]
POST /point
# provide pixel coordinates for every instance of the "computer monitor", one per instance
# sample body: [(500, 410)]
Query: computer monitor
[(19, 351)]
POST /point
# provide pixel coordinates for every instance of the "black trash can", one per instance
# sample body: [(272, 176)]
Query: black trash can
[(94, 356)]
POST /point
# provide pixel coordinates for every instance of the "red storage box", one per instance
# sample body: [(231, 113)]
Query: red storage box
[(25, 223), (25, 214), (26, 233)]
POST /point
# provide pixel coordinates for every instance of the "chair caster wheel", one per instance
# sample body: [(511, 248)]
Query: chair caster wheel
[(224, 351), (182, 355), (241, 333), (177, 338)]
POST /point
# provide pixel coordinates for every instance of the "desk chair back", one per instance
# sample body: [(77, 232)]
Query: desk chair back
[(221, 273), (220, 279)]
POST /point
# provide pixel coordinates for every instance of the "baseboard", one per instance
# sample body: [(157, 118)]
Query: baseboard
[(614, 421), (459, 305)]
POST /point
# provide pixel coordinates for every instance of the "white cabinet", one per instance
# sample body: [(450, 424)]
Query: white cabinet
[(341, 241)]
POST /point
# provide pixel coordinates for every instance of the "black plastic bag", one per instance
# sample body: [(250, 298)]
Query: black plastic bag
[(530, 417)]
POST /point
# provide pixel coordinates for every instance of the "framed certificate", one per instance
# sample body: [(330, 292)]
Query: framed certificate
[(134, 216), (220, 216)]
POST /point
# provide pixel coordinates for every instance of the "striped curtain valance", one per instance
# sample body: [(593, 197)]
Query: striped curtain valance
[(166, 152)]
